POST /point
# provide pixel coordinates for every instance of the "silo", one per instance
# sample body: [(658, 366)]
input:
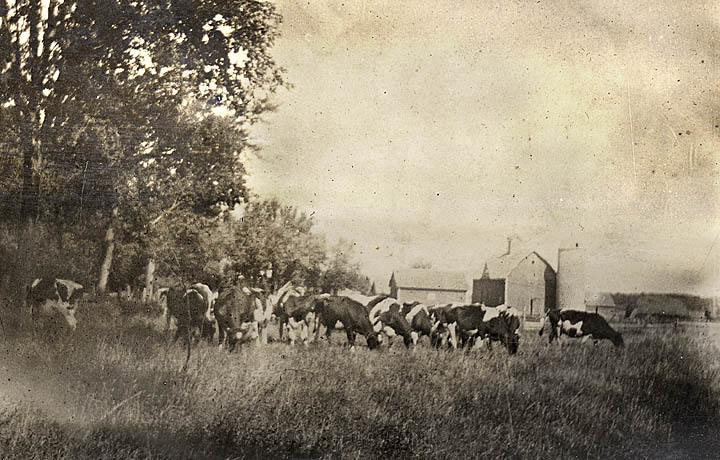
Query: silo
[(571, 279)]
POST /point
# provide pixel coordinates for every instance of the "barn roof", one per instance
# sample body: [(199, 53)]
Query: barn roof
[(418, 278), (500, 267), (600, 299)]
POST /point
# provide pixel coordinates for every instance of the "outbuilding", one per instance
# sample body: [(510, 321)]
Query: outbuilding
[(603, 304), (429, 286), (525, 281)]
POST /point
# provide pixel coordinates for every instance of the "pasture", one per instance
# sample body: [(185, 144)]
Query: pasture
[(115, 389)]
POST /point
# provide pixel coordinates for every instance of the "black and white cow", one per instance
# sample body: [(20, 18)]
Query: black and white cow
[(296, 316), (352, 314), (579, 324), (192, 312), (242, 314), (466, 323), (386, 317), (294, 312), (418, 317), (51, 298)]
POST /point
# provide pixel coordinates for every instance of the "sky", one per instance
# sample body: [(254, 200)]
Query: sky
[(433, 131)]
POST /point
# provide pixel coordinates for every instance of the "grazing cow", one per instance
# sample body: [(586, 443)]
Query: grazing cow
[(418, 317), (48, 297), (297, 317), (578, 324), (386, 317), (192, 312), (352, 314), (466, 323), (242, 314)]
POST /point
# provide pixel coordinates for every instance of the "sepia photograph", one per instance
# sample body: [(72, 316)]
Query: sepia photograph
[(316, 229)]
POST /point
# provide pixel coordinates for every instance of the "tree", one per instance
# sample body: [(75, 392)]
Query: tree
[(143, 105), (341, 273), (272, 244), (422, 264)]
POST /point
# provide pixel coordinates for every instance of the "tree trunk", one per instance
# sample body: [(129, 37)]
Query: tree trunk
[(109, 249), (148, 292)]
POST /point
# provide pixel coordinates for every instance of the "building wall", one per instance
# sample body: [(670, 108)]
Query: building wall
[(428, 296), (571, 279), (530, 287), (488, 292)]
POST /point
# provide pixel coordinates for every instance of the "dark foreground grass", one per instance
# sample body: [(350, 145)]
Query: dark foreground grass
[(115, 390)]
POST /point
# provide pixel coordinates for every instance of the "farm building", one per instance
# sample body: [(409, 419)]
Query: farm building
[(429, 286), (526, 282), (604, 305), (572, 283)]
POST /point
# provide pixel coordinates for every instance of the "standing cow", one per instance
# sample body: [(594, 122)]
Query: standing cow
[(577, 324), (51, 298), (192, 312), (418, 317), (387, 318), (242, 314), (333, 309), (467, 323), (297, 318)]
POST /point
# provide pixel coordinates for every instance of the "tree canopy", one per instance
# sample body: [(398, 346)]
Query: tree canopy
[(134, 115)]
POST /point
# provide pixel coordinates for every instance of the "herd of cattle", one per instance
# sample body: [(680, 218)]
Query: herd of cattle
[(240, 314)]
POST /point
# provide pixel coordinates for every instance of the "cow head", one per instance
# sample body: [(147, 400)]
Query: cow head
[(373, 341), (617, 340)]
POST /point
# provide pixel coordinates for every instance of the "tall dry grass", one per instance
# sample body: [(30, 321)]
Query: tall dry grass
[(115, 390)]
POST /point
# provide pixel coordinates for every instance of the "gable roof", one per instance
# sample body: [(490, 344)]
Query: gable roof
[(500, 267), (419, 278)]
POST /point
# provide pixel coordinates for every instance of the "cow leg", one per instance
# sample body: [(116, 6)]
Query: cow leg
[(281, 329), (350, 336), (453, 336), (415, 337), (178, 332), (221, 335), (304, 333), (328, 332)]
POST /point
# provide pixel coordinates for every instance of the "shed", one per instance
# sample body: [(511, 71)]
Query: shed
[(603, 304), (428, 286), (524, 281)]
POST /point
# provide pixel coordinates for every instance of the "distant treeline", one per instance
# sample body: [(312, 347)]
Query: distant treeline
[(665, 306)]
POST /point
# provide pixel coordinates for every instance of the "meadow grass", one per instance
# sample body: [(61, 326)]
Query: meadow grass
[(115, 389)]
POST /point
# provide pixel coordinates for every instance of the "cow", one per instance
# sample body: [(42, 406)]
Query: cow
[(386, 317), (297, 317), (577, 324), (49, 297), (291, 323), (466, 323), (241, 313), (444, 322), (418, 317), (333, 309), (192, 312)]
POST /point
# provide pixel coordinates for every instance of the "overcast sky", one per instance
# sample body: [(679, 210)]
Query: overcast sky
[(434, 130)]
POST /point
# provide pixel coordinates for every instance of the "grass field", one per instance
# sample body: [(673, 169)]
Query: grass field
[(116, 390)]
